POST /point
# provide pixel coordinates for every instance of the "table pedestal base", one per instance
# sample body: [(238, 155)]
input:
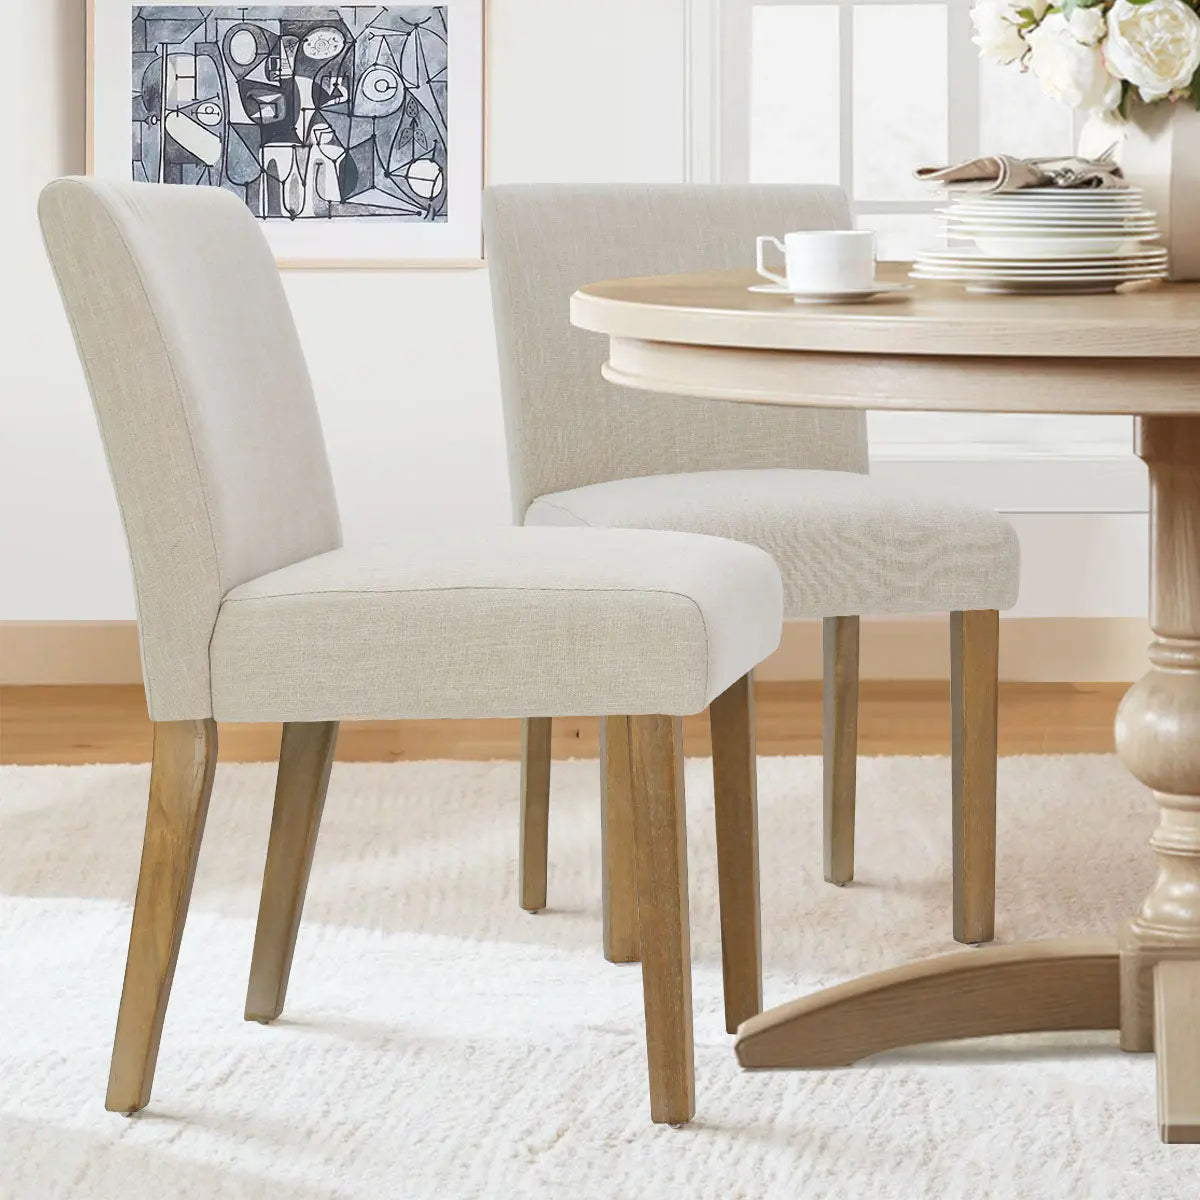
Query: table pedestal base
[(1031, 987)]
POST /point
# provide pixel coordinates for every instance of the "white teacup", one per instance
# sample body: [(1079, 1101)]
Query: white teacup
[(823, 260)]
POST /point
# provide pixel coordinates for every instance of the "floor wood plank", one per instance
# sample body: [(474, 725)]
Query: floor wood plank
[(87, 724)]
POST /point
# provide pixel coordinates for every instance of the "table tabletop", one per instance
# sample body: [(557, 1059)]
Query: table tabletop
[(716, 308), (938, 347)]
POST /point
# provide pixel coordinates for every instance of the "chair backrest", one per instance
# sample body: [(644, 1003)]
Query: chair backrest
[(566, 427), (204, 404)]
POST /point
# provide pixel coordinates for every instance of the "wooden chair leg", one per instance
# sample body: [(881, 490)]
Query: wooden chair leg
[(181, 775), (535, 811), (305, 760), (840, 744), (974, 666), (657, 769), (731, 717), (618, 862)]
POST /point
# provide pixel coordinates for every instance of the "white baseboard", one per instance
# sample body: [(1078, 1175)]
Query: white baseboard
[(1032, 649)]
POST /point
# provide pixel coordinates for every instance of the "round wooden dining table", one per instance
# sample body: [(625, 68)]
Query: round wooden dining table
[(939, 348)]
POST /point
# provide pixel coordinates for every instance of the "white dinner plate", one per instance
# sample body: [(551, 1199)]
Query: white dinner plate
[(1034, 277), (1009, 202), (1006, 202), (1039, 247), (1035, 245), (1065, 216), (1050, 190), (1026, 267), (1056, 272), (1042, 220), (1029, 274), (1057, 195), (1119, 263), (1141, 254), (1102, 223), (1019, 223), (1100, 283), (1000, 288), (1096, 280), (841, 296)]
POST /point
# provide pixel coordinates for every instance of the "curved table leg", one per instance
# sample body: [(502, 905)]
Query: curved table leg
[(1028, 988)]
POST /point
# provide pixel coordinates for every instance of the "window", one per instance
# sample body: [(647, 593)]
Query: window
[(860, 92)]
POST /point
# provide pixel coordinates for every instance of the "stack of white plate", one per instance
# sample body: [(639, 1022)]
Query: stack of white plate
[(1047, 240)]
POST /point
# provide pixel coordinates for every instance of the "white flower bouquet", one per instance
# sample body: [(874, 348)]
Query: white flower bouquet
[(1096, 54)]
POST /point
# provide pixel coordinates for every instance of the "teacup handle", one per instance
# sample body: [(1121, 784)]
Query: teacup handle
[(762, 267)]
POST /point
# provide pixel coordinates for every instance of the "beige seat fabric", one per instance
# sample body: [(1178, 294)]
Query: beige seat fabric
[(248, 607), (847, 544), (506, 622), (569, 430)]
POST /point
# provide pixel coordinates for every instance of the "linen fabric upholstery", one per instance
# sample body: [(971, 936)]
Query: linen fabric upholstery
[(248, 607), (566, 426), (583, 452), (204, 405), (503, 622), (846, 544)]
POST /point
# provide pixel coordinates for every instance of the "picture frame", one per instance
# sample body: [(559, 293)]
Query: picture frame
[(354, 132)]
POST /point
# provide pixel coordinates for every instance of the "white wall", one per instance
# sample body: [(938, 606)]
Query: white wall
[(579, 90)]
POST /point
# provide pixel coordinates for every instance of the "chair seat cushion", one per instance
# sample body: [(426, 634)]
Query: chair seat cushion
[(846, 544), (501, 622)]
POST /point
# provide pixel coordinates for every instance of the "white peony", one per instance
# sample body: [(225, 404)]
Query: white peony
[(1155, 45), (1070, 70), (1088, 25), (997, 27)]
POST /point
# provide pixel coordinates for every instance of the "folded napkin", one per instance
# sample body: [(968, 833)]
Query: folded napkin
[(1004, 173)]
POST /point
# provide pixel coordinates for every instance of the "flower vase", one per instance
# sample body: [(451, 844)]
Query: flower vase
[(1158, 148)]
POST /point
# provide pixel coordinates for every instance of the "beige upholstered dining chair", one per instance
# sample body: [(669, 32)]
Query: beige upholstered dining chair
[(792, 480), (251, 609)]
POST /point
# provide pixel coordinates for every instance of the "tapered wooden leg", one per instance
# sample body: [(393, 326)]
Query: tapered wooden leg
[(974, 663), (840, 744), (535, 810), (305, 760), (185, 756), (657, 757), (734, 785), (618, 862)]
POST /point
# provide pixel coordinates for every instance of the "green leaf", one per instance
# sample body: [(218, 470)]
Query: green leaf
[(1126, 93), (1195, 86)]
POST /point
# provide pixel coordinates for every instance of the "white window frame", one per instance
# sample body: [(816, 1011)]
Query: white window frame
[(1053, 466)]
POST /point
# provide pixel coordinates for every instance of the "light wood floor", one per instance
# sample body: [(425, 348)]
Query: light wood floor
[(109, 724)]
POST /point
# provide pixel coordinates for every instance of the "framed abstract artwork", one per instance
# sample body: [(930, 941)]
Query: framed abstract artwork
[(353, 132)]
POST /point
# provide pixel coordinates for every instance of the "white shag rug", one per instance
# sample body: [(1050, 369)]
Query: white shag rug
[(438, 1042)]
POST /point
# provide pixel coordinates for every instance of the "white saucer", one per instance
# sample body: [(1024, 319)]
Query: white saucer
[(848, 296)]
